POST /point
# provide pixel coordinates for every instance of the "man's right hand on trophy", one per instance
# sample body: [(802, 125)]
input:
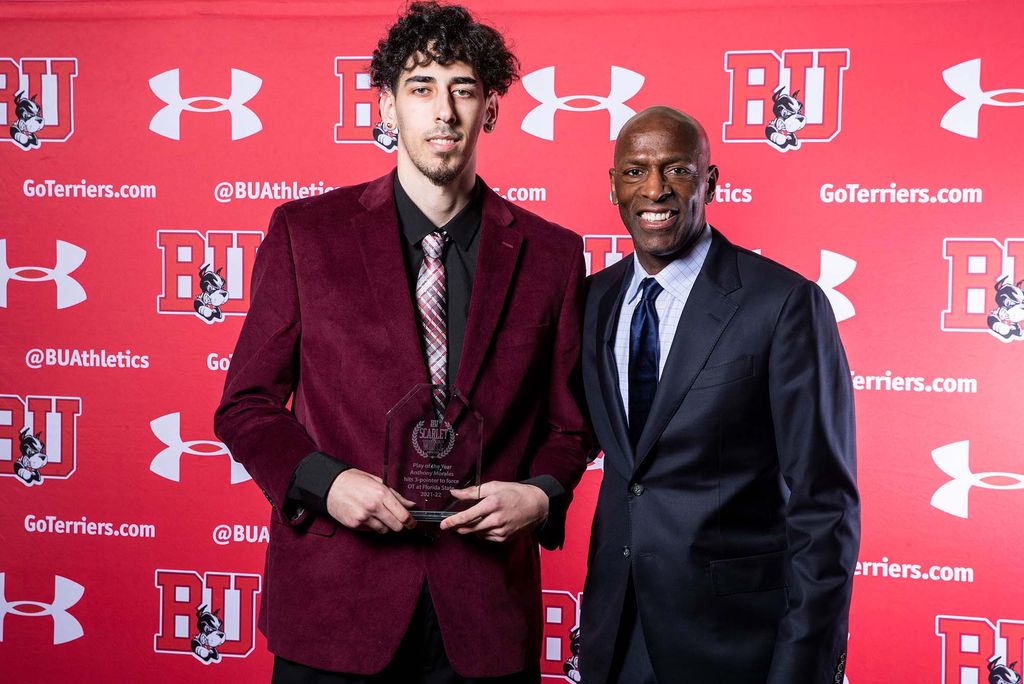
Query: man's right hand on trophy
[(361, 501)]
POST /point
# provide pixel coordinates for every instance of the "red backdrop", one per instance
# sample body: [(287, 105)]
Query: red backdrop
[(171, 130)]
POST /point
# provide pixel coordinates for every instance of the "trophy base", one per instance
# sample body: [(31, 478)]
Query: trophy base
[(432, 516)]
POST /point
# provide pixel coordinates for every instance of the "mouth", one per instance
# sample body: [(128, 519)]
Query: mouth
[(443, 143), (656, 220)]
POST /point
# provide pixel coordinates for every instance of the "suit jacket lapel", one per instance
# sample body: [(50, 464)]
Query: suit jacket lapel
[(607, 370), (705, 317), (500, 243), (379, 241)]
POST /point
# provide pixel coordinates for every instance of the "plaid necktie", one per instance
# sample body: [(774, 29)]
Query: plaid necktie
[(431, 300)]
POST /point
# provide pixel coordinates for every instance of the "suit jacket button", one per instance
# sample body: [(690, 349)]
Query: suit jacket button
[(637, 489), (625, 552)]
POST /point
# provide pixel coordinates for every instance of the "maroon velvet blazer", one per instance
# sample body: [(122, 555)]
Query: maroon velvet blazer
[(332, 322)]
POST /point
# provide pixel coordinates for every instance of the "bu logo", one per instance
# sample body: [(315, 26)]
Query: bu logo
[(358, 101), (975, 650), (37, 100), (601, 251), (964, 79), (69, 291), (983, 295), (167, 121), (540, 84), (560, 655), (54, 420), (66, 594), (954, 460), (167, 463), (784, 101), (206, 274), (209, 616)]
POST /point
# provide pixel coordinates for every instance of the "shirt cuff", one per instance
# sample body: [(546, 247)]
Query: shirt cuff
[(310, 483)]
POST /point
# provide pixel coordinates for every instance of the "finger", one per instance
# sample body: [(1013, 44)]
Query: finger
[(387, 518), (402, 500), (467, 516), (466, 493), (399, 512), (482, 526)]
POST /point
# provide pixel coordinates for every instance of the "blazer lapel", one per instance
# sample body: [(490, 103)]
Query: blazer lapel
[(607, 370), (705, 317), (379, 241), (500, 243)]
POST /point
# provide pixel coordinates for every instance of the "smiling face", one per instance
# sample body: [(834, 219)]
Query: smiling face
[(439, 111), (661, 181)]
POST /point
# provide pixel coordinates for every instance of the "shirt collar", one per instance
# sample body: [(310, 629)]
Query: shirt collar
[(462, 227), (672, 276)]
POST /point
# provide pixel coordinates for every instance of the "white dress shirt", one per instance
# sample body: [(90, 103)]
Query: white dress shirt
[(677, 280)]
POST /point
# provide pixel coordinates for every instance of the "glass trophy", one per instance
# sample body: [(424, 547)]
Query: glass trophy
[(432, 444)]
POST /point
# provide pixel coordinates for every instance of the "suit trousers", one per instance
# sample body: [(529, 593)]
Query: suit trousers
[(420, 659)]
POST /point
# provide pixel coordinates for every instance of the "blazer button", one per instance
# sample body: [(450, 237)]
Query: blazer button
[(625, 552), (637, 489)]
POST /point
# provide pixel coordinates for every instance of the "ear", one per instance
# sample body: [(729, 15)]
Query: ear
[(490, 112), (709, 196), (611, 181), (386, 106)]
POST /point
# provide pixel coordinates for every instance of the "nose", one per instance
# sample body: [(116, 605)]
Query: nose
[(445, 108), (655, 188)]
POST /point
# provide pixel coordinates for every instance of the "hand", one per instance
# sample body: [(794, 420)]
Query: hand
[(505, 511), (361, 501)]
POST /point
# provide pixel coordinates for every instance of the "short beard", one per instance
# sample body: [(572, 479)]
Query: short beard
[(443, 175)]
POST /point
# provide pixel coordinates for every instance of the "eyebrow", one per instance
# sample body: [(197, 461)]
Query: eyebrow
[(458, 80)]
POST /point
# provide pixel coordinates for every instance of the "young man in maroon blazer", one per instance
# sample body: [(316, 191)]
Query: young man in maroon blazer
[(341, 321)]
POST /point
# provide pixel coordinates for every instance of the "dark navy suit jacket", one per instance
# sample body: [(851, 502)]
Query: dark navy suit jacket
[(738, 511)]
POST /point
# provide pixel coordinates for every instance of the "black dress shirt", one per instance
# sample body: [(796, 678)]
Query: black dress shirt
[(316, 472)]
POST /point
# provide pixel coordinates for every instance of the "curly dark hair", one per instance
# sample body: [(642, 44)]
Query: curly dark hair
[(431, 32)]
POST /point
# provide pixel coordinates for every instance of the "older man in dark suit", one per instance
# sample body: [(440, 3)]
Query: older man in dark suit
[(727, 525), (422, 276)]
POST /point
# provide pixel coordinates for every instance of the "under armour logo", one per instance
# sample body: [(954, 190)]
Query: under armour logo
[(954, 460), (69, 290), (167, 463), (836, 269), (167, 122), (65, 594), (964, 79), (540, 84)]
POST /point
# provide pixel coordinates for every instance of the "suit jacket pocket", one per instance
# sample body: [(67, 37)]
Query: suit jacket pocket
[(521, 337), (737, 369), (750, 573)]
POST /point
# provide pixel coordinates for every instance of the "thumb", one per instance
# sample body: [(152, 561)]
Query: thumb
[(467, 493)]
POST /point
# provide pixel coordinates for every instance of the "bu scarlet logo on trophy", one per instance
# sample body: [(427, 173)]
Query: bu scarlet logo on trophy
[(984, 291), (37, 100), (207, 274), (969, 649), (786, 100), (208, 616), (38, 437)]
